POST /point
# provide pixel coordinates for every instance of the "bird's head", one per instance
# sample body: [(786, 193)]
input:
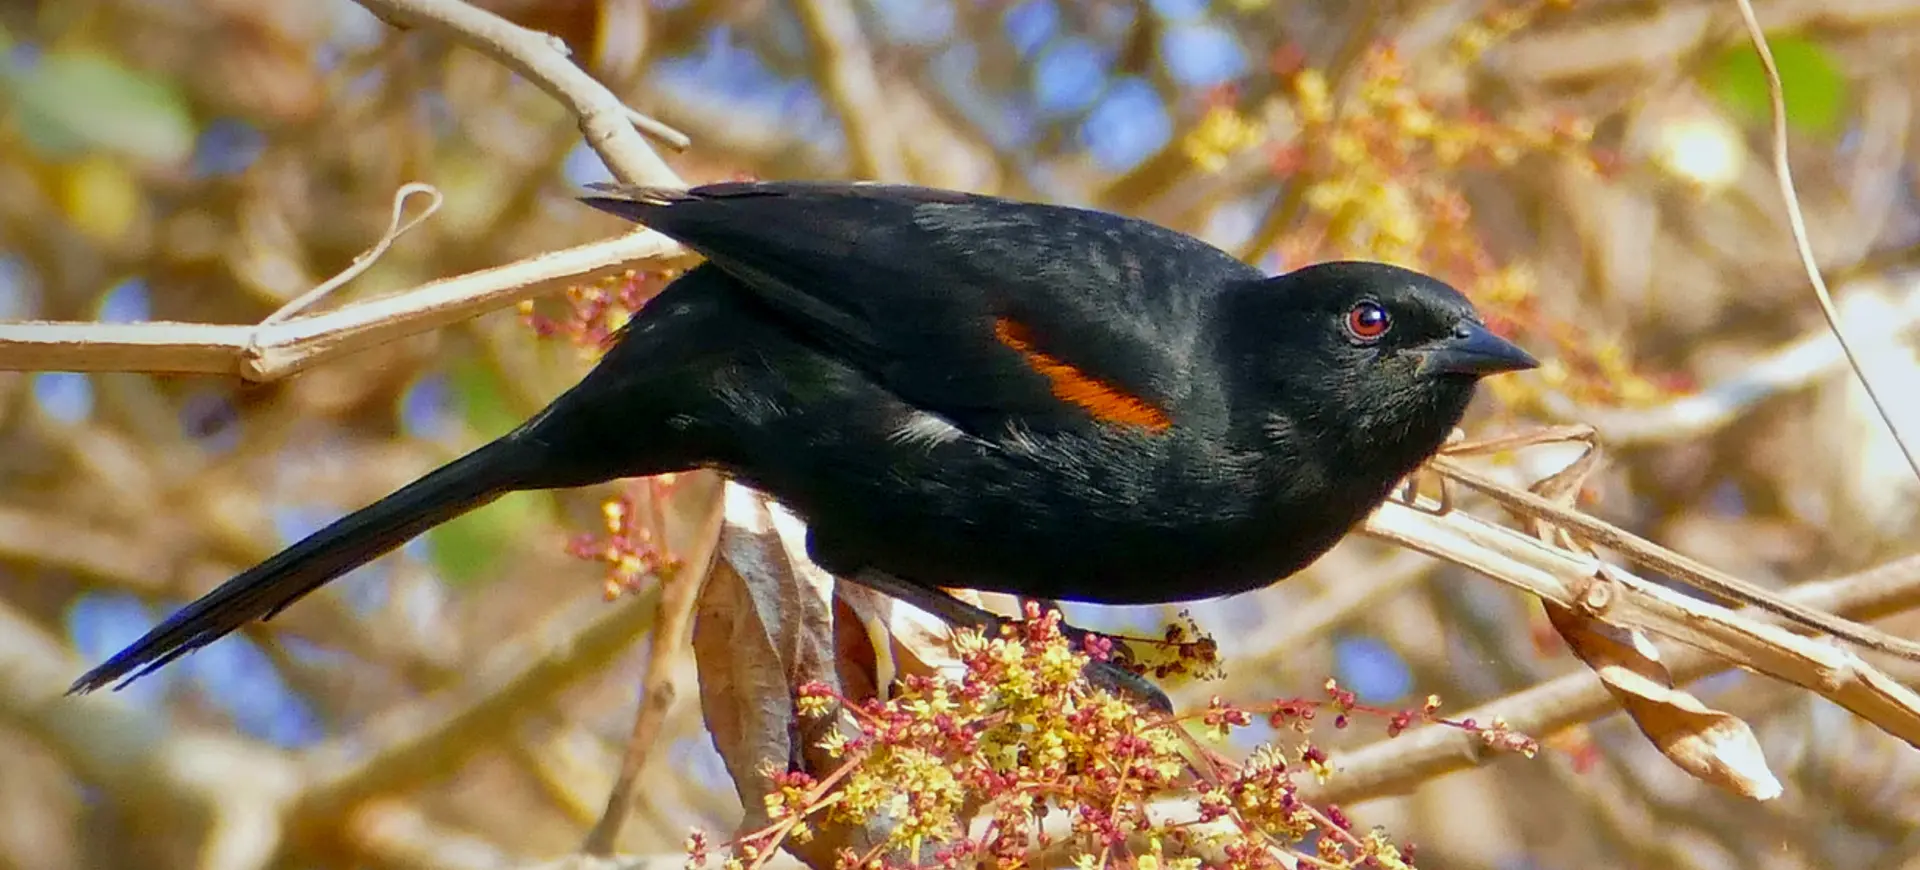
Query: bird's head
[(1368, 360)]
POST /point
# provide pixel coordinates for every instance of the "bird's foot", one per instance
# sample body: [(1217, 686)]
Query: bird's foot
[(1120, 680), (1104, 673)]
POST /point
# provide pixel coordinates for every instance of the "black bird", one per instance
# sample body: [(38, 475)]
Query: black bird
[(958, 390)]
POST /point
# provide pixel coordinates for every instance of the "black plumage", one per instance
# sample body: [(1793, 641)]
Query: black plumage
[(958, 390)]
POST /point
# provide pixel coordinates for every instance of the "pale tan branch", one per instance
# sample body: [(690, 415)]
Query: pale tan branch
[(668, 646), (272, 350), (267, 353), (1639, 551), (1397, 764), (1614, 595), (542, 59), (661, 131)]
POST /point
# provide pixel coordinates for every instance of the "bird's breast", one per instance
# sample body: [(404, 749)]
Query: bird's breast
[(1081, 518)]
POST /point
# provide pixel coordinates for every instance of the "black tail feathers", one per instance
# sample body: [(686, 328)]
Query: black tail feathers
[(354, 540)]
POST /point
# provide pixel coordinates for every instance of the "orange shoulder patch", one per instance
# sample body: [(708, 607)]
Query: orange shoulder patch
[(1076, 387)]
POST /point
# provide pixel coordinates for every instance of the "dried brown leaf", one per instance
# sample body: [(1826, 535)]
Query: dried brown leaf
[(1714, 746), (763, 627)]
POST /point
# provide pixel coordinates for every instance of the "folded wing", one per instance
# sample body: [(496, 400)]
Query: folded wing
[(983, 310)]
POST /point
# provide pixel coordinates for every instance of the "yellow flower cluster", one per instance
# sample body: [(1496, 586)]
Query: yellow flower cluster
[(1022, 737), (1221, 133)]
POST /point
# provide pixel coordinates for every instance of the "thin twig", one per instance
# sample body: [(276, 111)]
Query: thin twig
[(543, 60), (1776, 98), (662, 132), (396, 227), (667, 645), (269, 353)]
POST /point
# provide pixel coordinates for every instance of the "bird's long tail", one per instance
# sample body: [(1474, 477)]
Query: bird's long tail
[(354, 540)]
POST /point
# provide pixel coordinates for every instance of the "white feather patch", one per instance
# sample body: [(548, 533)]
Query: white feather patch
[(1020, 440), (926, 430)]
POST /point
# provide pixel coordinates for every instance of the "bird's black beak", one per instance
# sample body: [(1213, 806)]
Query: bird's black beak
[(1473, 350)]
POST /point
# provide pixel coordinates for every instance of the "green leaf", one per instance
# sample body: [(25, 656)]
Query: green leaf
[(464, 549), (73, 102), (1815, 90)]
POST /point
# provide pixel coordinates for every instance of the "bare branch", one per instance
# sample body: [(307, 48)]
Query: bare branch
[(1595, 588), (661, 131), (543, 60), (1397, 764), (268, 353), (273, 350), (667, 646), (1640, 551)]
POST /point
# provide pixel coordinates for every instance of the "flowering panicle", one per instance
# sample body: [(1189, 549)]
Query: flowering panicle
[(632, 546), (1019, 755), (631, 543), (596, 311)]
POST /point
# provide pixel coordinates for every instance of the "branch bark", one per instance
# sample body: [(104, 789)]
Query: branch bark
[(1617, 596), (543, 60), (1397, 764), (268, 353), (274, 350)]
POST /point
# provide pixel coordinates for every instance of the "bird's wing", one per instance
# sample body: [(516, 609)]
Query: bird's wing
[(980, 309)]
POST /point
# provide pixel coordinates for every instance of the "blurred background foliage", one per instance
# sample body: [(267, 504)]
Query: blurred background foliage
[(1594, 173)]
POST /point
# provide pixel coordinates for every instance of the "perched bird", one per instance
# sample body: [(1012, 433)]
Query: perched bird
[(957, 390)]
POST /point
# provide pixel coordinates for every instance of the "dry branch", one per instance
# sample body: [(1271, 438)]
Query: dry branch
[(1621, 598), (1398, 764), (274, 351), (666, 646), (542, 59)]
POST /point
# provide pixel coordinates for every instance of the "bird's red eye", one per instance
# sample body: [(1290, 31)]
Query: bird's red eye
[(1368, 321)]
